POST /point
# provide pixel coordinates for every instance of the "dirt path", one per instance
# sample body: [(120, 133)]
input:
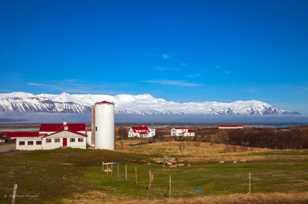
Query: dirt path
[(7, 147)]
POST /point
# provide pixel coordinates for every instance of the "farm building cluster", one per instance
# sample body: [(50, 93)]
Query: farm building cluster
[(73, 135), (144, 131), (50, 136), (101, 135)]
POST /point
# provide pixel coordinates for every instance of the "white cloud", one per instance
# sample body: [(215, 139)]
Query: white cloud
[(223, 70), (179, 83), (165, 56)]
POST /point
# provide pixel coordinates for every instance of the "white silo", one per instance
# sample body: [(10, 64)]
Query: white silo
[(104, 125)]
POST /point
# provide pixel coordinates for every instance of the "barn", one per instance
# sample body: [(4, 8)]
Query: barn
[(51, 136), (182, 132), (141, 131)]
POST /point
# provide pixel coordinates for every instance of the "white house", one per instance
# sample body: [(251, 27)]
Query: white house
[(182, 132), (56, 140), (53, 136), (141, 131)]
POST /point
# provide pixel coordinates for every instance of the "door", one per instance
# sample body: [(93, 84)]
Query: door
[(64, 142)]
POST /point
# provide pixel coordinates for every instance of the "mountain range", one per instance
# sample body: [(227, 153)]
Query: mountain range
[(142, 104)]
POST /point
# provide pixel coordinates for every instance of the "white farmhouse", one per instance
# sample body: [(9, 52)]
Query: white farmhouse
[(182, 132), (141, 131), (51, 136)]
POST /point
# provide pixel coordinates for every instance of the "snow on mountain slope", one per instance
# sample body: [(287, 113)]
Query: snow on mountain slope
[(143, 104)]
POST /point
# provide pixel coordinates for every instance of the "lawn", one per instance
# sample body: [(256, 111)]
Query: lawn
[(58, 175)]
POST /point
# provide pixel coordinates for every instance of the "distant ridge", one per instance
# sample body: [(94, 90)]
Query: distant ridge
[(143, 104)]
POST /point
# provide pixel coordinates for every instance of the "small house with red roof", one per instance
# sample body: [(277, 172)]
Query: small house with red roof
[(50, 136), (141, 131), (182, 132)]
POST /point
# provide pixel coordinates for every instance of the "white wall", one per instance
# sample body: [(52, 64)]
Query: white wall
[(131, 133), (26, 146), (61, 135), (178, 132), (52, 145)]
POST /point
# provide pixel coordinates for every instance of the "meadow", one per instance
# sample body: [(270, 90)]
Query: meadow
[(211, 173)]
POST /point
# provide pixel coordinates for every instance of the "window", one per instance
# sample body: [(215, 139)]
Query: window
[(72, 139), (80, 139), (30, 142), (57, 140), (21, 143), (38, 142), (48, 140)]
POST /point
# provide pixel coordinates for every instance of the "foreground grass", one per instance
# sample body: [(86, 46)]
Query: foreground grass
[(209, 179), (62, 176)]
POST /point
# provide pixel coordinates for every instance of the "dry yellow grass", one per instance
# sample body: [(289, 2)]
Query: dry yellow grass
[(95, 197), (193, 151), (206, 152)]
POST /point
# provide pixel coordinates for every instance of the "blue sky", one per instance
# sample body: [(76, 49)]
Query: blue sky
[(179, 50)]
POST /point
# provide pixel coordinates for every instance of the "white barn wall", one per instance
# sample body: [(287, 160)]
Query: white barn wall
[(61, 135), (52, 145), (26, 146)]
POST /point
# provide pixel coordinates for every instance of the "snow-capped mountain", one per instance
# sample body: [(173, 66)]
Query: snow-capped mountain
[(143, 104)]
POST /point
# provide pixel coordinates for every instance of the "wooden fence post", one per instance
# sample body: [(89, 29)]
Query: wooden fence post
[(136, 175), (149, 186), (249, 182), (151, 178), (170, 186), (118, 170), (125, 172), (14, 194)]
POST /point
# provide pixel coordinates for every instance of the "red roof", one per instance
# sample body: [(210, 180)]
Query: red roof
[(56, 127), (105, 102), (21, 134), (143, 129)]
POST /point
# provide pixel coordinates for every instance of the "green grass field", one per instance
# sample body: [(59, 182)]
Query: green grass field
[(51, 176)]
